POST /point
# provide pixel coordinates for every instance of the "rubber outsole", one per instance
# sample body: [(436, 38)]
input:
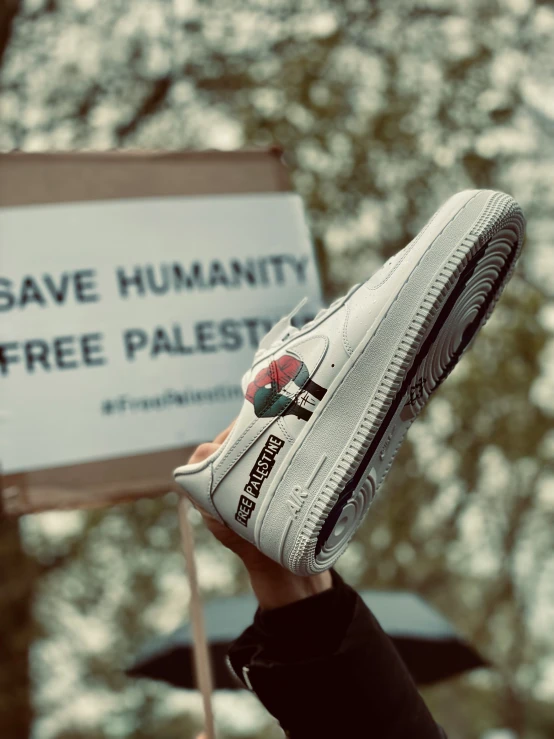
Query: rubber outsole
[(439, 333)]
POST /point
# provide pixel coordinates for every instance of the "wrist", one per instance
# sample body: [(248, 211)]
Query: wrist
[(277, 587)]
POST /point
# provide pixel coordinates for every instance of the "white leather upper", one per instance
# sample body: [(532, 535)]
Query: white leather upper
[(316, 354)]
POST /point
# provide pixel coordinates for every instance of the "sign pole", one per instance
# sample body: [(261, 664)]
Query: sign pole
[(201, 652)]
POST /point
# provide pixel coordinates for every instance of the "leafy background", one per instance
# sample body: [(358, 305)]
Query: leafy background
[(384, 109)]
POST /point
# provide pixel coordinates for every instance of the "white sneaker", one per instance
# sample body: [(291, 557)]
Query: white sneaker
[(327, 406)]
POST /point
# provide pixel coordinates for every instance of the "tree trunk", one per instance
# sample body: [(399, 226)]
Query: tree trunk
[(8, 10), (19, 573)]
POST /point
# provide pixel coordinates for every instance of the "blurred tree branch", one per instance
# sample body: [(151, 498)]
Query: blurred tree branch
[(8, 12), (152, 103)]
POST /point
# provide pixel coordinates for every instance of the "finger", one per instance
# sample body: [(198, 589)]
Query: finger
[(203, 451), (220, 438)]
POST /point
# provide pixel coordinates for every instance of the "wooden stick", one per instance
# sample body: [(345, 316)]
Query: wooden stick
[(200, 644)]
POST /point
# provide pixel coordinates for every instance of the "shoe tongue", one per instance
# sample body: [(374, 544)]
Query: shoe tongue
[(280, 327), (245, 381), (273, 335)]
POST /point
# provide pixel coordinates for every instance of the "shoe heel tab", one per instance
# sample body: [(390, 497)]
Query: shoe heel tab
[(196, 481)]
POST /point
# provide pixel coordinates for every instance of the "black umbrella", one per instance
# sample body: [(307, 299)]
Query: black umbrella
[(427, 643)]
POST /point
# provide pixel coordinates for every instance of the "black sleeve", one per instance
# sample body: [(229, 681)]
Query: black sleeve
[(324, 668)]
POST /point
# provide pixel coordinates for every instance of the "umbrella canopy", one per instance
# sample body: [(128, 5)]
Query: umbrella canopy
[(426, 641)]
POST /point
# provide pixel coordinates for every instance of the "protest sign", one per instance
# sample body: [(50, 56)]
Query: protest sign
[(130, 315)]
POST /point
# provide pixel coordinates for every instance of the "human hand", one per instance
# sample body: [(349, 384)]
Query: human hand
[(273, 585)]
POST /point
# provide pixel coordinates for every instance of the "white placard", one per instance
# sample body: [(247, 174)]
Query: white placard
[(126, 325)]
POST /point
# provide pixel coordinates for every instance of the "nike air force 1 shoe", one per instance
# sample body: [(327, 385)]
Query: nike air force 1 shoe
[(327, 406)]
